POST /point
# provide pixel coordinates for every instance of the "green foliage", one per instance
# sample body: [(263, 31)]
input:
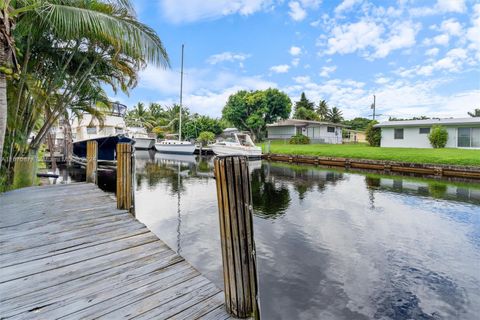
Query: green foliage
[(438, 136), (322, 110), (299, 139), (373, 135), (205, 137), (475, 113), (358, 123), (253, 110), (304, 103), (197, 124), (305, 114), (335, 115)]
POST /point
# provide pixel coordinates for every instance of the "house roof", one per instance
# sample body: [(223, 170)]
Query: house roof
[(430, 122), (302, 123)]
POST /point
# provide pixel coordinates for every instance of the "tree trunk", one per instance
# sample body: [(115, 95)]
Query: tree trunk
[(51, 147), (3, 99)]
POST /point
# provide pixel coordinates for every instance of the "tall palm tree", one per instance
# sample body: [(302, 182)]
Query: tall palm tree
[(335, 115), (322, 109), (475, 113), (110, 20)]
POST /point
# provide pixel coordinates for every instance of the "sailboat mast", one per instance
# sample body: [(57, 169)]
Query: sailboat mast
[(181, 96)]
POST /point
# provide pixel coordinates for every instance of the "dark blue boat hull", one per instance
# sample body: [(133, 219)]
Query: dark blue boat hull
[(107, 147)]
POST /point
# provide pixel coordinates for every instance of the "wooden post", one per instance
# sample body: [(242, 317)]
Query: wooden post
[(92, 161), (236, 233), (125, 177), (24, 172)]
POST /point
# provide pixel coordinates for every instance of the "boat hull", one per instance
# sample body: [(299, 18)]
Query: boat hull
[(144, 143), (175, 148), (234, 150)]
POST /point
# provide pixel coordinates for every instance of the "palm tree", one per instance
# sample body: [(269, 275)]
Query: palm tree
[(475, 113), (335, 115), (111, 22), (322, 109), (139, 116)]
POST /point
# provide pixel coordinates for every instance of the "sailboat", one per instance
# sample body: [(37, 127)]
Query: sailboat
[(177, 146)]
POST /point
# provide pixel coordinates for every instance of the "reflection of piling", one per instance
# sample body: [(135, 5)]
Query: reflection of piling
[(236, 232), (125, 176), (92, 162)]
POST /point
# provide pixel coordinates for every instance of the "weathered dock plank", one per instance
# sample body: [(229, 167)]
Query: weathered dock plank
[(67, 252)]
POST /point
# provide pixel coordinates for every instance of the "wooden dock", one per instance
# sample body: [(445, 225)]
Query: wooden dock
[(67, 252)]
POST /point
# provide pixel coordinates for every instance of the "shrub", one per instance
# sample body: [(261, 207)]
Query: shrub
[(373, 135), (438, 136), (299, 139), (205, 137)]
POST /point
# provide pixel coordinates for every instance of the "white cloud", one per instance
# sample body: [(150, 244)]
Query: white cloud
[(282, 68), (179, 11), (432, 52), (295, 51), (351, 37), (473, 33), (452, 27), (402, 36), (346, 5), (302, 79), (297, 13), (441, 6), (295, 62), (453, 61), (326, 71), (227, 56), (382, 80)]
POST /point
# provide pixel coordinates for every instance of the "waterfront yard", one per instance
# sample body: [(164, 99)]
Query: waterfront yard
[(363, 151)]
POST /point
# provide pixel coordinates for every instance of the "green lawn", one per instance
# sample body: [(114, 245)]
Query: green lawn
[(362, 151)]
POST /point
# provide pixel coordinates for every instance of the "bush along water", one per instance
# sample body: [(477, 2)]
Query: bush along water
[(299, 139), (438, 136)]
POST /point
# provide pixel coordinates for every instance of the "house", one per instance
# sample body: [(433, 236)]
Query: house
[(462, 132), (317, 131), (354, 136)]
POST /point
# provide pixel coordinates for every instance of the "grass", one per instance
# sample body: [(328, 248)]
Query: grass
[(363, 151)]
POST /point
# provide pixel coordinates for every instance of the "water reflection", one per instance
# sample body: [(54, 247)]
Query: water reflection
[(330, 244)]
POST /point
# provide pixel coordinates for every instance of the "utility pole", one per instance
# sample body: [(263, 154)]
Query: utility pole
[(373, 107)]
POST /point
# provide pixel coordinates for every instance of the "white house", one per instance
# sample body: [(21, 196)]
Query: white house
[(317, 131), (462, 133)]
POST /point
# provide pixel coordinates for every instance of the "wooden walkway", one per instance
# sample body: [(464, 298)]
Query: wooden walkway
[(67, 252)]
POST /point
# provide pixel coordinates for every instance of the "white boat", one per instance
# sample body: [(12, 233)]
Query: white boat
[(239, 144), (142, 140), (175, 146)]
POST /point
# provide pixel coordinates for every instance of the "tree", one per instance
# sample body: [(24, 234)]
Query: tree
[(205, 137), (305, 114), (253, 110), (357, 123), (335, 115), (197, 124), (304, 103), (107, 33), (322, 110), (438, 136), (140, 116), (475, 113), (373, 135)]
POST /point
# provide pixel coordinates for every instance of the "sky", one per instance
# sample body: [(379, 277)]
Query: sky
[(418, 57)]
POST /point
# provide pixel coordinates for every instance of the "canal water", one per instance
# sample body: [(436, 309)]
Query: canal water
[(330, 244)]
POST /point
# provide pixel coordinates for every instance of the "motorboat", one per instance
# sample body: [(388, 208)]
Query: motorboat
[(107, 151), (175, 146), (238, 144), (142, 140)]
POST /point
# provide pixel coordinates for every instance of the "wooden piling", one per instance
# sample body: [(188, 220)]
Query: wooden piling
[(125, 177), (92, 162), (24, 172), (236, 232)]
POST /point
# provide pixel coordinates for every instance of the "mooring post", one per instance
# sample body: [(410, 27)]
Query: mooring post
[(125, 177), (24, 172), (92, 161), (236, 233)]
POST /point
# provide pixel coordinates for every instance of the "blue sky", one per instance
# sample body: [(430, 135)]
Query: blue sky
[(418, 57)]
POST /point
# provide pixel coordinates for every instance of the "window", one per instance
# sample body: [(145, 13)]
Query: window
[(91, 130), (424, 130), (330, 129), (398, 134), (468, 138)]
